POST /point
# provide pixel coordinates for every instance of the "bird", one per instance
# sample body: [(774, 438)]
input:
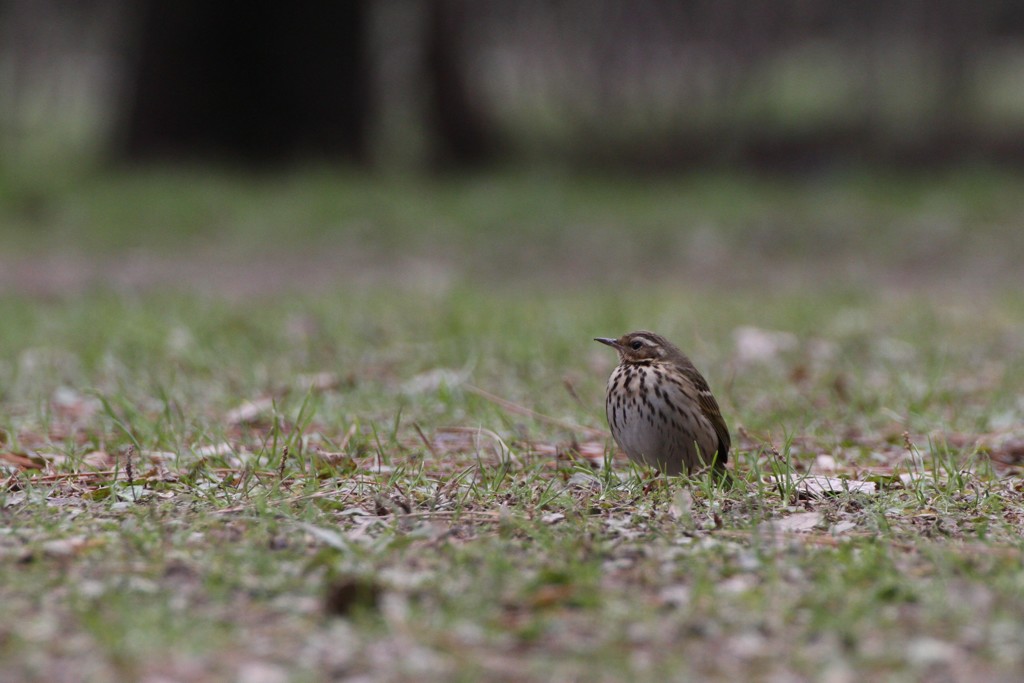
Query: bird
[(660, 408)]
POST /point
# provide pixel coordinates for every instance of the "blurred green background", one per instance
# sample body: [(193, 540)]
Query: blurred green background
[(206, 145)]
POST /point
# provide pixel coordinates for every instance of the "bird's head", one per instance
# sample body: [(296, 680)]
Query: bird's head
[(641, 347)]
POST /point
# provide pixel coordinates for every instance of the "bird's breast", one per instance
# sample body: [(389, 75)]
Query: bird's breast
[(654, 418)]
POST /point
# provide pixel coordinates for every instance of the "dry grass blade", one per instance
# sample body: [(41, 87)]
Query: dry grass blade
[(348, 437), (522, 410), (501, 448), (425, 440)]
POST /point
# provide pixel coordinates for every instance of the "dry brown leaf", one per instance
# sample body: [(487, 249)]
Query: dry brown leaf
[(22, 462), (1009, 452), (72, 405), (551, 595), (98, 460)]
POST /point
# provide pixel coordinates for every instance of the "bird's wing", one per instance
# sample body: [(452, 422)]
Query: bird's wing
[(709, 406)]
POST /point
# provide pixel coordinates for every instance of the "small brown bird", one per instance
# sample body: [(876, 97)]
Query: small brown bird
[(660, 408)]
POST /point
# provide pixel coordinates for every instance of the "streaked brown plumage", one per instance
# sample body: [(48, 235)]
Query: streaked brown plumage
[(660, 409)]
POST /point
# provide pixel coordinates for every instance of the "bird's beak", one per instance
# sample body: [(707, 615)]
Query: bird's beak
[(614, 343)]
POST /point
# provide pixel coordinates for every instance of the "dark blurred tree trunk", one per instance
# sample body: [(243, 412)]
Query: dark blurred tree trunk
[(957, 31), (257, 83), (462, 133)]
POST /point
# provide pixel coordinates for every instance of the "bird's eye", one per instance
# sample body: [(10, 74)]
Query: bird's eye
[(637, 345)]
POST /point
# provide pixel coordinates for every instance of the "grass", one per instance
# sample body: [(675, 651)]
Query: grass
[(310, 483), (861, 226)]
